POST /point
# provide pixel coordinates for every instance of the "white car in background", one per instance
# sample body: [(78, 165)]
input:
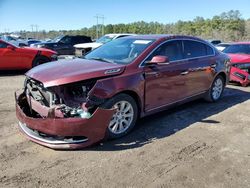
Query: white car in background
[(81, 49)]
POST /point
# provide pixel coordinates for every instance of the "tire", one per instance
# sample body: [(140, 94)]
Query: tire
[(124, 119), (39, 60), (216, 90)]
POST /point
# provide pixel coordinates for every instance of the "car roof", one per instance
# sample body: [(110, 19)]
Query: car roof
[(165, 36)]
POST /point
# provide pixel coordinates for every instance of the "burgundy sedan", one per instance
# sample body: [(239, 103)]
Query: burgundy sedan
[(76, 103)]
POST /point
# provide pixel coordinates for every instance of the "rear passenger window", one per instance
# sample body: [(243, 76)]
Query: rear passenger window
[(193, 49)]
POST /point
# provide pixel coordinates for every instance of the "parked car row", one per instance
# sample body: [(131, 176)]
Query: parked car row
[(64, 44), (76, 103), (83, 48)]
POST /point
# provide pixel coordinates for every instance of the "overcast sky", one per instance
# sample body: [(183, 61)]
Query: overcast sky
[(18, 15)]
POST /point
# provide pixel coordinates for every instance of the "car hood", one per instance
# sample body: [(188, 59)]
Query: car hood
[(88, 45), (239, 58), (69, 71)]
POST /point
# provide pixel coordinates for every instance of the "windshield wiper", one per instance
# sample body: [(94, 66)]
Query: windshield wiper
[(102, 59)]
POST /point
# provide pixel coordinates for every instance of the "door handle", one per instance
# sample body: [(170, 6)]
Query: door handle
[(152, 73), (184, 72)]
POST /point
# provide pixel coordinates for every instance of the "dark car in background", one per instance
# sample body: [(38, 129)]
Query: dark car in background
[(103, 94), (64, 44), (240, 62), (214, 41), (32, 41)]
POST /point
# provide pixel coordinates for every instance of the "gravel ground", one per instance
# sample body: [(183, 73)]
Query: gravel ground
[(195, 145)]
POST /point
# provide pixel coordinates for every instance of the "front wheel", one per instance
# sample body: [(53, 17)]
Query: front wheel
[(216, 90), (124, 118)]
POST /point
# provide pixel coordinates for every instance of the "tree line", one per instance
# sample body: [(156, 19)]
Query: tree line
[(228, 26)]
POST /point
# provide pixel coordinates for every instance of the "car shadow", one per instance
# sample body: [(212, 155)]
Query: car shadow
[(12, 72), (168, 122)]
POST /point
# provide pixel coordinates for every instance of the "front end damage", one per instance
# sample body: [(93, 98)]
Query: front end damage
[(240, 72), (61, 117)]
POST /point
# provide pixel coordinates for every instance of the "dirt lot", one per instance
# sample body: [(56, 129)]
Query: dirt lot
[(195, 145)]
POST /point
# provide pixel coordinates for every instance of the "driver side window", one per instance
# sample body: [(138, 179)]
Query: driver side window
[(172, 49)]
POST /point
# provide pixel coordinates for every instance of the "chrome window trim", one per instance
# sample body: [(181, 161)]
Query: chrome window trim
[(184, 59)]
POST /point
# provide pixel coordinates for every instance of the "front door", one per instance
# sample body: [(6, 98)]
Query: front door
[(166, 83)]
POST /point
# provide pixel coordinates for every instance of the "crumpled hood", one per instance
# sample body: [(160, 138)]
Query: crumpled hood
[(88, 45), (239, 58), (69, 71)]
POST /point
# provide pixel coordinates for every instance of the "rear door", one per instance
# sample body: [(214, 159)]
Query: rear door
[(201, 61)]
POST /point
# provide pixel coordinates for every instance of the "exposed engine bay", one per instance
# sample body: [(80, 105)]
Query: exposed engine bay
[(62, 101)]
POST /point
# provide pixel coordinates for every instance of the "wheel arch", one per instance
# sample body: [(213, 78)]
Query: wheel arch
[(39, 55), (224, 76)]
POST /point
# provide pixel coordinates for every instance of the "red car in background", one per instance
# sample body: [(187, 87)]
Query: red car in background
[(240, 62), (13, 57)]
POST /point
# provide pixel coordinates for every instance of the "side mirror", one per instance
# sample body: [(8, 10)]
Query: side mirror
[(159, 59), (10, 47)]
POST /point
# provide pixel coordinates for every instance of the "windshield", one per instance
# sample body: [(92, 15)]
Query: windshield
[(120, 51), (13, 43), (104, 39), (238, 49), (57, 39)]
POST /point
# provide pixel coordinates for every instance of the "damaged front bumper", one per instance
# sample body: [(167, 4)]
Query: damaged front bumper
[(62, 133), (239, 75)]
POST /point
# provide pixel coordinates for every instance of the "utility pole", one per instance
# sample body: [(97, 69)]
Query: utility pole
[(97, 24), (97, 17), (32, 29), (36, 26)]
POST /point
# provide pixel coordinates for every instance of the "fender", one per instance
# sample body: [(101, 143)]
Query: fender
[(106, 88)]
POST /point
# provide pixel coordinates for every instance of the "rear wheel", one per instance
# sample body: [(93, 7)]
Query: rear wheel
[(39, 60), (216, 90), (124, 118)]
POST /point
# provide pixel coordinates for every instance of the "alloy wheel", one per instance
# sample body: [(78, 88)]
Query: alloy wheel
[(123, 117), (217, 89)]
